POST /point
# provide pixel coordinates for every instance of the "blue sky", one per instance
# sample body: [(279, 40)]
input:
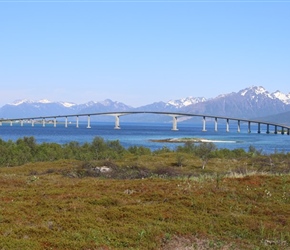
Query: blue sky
[(139, 52)]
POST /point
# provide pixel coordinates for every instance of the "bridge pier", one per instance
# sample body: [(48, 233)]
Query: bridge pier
[(89, 121), (228, 126), (117, 122), (215, 124), (268, 130), (21, 123), (77, 122), (282, 130), (259, 128), (65, 123), (249, 127), (54, 122), (32, 123), (239, 126), (288, 131), (11, 123), (174, 123), (43, 122), (0, 123), (276, 130), (203, 124)]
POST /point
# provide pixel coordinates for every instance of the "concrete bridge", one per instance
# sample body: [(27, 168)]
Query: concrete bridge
[(282, 128)]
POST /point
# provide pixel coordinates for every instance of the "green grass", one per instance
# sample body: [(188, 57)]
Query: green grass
[(42, 207)]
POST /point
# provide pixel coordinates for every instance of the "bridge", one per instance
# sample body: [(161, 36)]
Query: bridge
[(283, 128)]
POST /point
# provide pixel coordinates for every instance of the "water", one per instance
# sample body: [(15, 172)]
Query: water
[(139, 134)]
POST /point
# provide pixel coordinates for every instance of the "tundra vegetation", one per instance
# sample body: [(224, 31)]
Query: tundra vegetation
[(100, 195)]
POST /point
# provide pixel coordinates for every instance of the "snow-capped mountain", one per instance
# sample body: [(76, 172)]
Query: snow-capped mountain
[(172, 105), (40, 102), (28, 108), (255, 91), (252, 102), (103, 106)]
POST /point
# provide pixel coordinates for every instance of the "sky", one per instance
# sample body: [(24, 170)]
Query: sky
[(140, 52)]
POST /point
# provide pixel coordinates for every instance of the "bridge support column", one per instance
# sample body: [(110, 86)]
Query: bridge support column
[(89, 121), (0, 123), (32, 123), (117, 122), (288, 131), (268, 130), (54, 122), (239, 126), (203, 124), (43, 122), (174, 123), (228, 126), (276, 130), (65, 123), (77, 122), (249, 127), (215, 124), (259, 128), (282, 130), (11, 123), (21, 123)]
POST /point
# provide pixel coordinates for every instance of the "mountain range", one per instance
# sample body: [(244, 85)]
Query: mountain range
[(254, 102)]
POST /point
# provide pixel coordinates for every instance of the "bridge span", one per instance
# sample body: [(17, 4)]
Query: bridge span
[(282, 128)]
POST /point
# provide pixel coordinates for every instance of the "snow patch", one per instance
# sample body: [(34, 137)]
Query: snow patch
[(243, 93), (281, 96), (185, 101), (67, 104), (44, 101), (90, 103), (256, 90), (259, 90), (19, 102), (107, 102)]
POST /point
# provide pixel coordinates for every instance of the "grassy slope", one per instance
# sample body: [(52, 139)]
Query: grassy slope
[(42, 209)]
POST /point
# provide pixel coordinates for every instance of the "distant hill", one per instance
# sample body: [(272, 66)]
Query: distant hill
[(282, 118)]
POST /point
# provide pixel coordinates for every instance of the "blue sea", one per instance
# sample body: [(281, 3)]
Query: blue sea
[(141, 134)]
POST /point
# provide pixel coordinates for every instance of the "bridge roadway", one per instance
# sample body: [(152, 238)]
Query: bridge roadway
[(284, 128)]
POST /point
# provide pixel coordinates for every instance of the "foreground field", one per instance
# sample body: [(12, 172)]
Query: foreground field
[(52, 206)]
